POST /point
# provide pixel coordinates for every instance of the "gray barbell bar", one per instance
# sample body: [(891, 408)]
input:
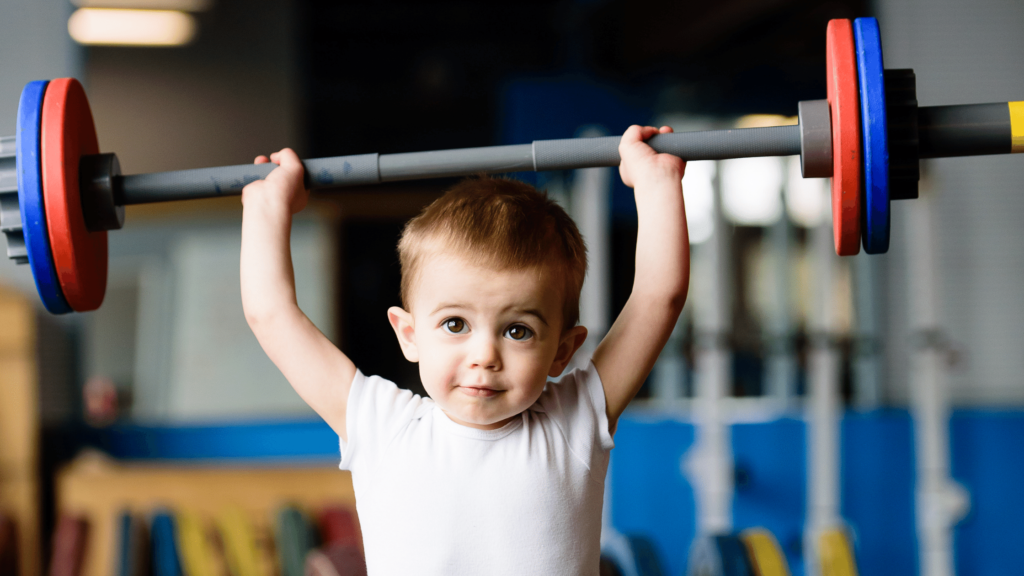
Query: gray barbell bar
[(568, 154)]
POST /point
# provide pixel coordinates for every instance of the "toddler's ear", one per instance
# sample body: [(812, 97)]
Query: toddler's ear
[(568, 344), (402, 322)]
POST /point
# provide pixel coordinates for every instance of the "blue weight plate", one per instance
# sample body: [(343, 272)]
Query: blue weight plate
[(874, 132), (30, 198)]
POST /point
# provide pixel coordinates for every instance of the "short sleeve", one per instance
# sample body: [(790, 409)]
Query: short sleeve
[(376, 412), (576, 403)]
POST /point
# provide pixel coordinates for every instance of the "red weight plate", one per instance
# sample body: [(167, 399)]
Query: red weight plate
[(844, 101), (68, 134)]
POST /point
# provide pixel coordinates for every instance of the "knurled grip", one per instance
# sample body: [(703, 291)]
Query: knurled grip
[(575, 153), (342, 171), (570, 153), (458, 162), (729, 144), (229, 180)]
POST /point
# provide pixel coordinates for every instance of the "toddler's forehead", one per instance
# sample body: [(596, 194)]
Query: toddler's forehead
[(458, 267)]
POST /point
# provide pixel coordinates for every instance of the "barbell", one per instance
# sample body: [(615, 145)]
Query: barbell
[(59, 196)]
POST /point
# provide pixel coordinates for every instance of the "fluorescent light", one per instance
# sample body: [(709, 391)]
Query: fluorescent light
[(752, 190), (101, 26), (807, 199), (699, 196), (765, 120), (183, 5)]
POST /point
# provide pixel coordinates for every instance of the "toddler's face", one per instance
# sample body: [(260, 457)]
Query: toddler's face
[(486, 340)]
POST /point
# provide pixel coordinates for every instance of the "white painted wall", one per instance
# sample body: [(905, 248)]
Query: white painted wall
[(963, 51), (172, 328), (34, 45), (218, 370)]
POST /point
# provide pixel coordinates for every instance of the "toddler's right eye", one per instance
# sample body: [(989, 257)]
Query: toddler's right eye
[(454, 325)]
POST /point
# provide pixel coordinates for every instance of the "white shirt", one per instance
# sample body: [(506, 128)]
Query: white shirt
[(436, 497)]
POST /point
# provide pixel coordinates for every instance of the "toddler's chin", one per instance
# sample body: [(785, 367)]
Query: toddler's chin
[(477, 420)]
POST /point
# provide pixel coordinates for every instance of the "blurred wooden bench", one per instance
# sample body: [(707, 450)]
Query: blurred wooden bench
[(100, 489), (19, 425)]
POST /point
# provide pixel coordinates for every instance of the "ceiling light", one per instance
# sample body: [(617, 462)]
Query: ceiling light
[(807, 199), (752, 190), (699, 196), (110, 27), (765, 120), (183, 5)]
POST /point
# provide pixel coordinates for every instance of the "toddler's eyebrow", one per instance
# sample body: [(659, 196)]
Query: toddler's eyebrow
[(532, 312), (444, 305)]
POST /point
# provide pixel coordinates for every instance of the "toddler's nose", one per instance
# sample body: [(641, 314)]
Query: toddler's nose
[(484, 354)]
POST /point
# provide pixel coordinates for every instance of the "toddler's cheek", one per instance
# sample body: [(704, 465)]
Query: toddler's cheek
[(436, 379)]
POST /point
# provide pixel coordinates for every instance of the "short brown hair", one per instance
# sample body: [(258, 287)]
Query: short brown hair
[(502, 223)]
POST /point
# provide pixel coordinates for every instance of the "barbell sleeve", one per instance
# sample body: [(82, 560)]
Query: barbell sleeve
[(567, 154), (971, 129)]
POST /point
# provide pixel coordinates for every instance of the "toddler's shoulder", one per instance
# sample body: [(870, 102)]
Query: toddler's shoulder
[(576, 403), (377, 411), (581, 380), (381, 396)]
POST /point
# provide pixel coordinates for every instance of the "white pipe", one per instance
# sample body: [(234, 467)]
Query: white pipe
[(866, 364), (940, 501), (781, 365), (709, 464), (823, 442), (591, 196)]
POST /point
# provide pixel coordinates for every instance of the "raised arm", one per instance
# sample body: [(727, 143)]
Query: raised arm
[(319, 372), (626, 355)]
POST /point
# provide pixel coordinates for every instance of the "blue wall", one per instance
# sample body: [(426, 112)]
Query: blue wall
[(652, 497)]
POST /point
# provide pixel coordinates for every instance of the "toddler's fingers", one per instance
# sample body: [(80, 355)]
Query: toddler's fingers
[(666, 130), (289, 165), (261, 159), (633, 134), (287, 156), (288, 160), (649, 131)]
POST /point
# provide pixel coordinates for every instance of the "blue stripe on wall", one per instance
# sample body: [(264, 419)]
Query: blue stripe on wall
[(260, 441)]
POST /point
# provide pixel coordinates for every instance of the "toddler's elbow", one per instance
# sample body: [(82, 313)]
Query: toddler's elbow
[(678, 299), (257, 317), (254, 320), (678, 292)]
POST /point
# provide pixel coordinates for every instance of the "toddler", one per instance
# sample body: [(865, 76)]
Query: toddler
[(499, 471)]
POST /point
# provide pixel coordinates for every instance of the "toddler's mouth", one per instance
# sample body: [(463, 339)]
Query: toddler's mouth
[(480, 391)]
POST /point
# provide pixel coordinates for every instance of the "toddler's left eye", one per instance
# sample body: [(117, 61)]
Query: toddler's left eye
[(518, 332)]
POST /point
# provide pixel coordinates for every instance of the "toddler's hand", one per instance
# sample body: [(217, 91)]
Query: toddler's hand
[(640, 163), (284, 183)]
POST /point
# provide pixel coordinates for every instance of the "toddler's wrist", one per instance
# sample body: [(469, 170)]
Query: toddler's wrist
[(266, 204)]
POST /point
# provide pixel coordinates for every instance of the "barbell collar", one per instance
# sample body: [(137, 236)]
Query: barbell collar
[(815, 138), (98, 185)]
